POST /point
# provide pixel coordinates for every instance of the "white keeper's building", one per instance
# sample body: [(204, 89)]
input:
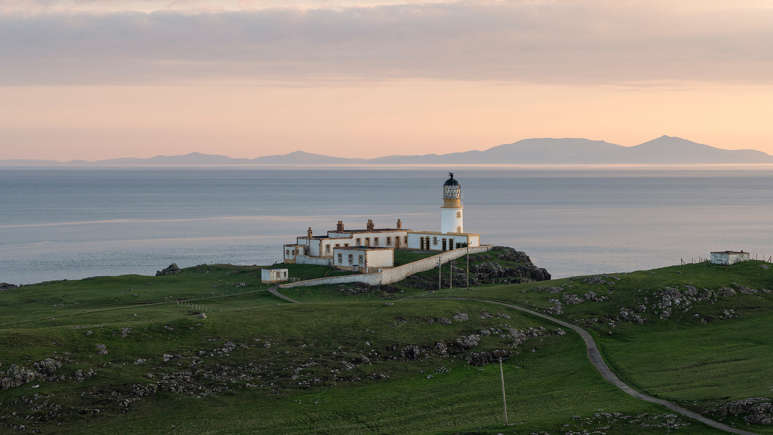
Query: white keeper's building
[(372, 248)]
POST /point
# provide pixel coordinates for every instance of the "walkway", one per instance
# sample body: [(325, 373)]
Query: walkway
[(594, 355), (275, 292)]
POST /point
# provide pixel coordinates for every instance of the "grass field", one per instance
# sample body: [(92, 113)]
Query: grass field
[(372, 361)]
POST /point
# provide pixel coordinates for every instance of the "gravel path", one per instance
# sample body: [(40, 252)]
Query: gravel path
[(594, 355), (596, 359)]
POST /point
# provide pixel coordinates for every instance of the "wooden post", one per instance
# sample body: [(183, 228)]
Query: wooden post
[(504, 397), (468, 265), (451, 274), (439, 274)]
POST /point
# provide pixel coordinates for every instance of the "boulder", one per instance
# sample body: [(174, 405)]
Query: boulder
[(172, 269)]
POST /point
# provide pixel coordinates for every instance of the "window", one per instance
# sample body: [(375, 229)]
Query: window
[(406, 240), (288, 252), (434, 240), (327, 249), (389, 241), (360, 259), (359, 242), (284, 274), (340, 258), (351, 258), (346, 245), (338, 245), (367, 241), (375, 241)]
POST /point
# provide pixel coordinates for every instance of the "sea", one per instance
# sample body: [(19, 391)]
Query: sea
[(71, 223)]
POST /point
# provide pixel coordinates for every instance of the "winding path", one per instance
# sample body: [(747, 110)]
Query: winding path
[(594, 355)]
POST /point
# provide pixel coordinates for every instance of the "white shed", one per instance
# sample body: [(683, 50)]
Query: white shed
[(363, 258), (273, 275), (729, 257)]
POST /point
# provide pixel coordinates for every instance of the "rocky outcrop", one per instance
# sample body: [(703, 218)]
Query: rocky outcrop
[(172, 269), (507, 266), (755, 410)]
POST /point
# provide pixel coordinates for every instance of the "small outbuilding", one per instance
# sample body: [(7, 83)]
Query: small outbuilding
[(273, 275), (729, 257), (364, 259)]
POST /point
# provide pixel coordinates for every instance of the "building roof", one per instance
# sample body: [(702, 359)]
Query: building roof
[(375, 230), (451, 180), (363, 248), (438, 233)]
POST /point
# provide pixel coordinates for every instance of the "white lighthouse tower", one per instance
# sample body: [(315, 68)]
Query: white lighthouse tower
[(451, 214)]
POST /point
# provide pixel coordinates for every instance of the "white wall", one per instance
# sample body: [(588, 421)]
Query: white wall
[(451, 220), (273, 275), (436, 240), (381, 258), (321, 261)]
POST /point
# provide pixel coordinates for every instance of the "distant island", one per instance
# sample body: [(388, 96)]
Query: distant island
[(538, 151)]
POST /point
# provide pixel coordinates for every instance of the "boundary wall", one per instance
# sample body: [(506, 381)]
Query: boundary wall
[(393, 274)]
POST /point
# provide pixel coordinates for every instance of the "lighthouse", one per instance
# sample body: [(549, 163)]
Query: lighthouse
[(451, 214)]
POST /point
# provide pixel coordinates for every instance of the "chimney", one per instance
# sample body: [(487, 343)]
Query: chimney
[(370, 225), (399, 223), (340, 226), (308, 233)]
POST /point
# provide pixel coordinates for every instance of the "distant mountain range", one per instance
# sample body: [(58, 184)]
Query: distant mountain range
[(544, 151)]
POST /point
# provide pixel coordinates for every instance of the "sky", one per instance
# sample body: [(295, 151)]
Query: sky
[(95, 79)]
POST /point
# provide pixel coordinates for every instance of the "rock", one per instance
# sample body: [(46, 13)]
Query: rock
[(508, 267), (461, 317), (202, 316), (139, 361), (754, 410), (728, 314), (101, 349), (89, 333), (167, 357), (441, 348), (410, 352), (125, 332), (727, 292), (485, 315), (469, 341), (172, 269), (47, 367), (572, 299), (444, 321), (16, 376)]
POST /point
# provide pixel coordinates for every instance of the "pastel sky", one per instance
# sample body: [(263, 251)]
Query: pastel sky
[(93, 79)]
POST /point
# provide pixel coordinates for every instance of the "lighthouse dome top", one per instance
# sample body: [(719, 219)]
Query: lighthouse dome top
[(452, 192)]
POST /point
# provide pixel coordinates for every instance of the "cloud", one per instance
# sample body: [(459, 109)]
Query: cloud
[(595, 42)]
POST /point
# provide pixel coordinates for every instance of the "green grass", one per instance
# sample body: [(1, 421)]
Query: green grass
[(405, 256), (552, 389), (680, 358)]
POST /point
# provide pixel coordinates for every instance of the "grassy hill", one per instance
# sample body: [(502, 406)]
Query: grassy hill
[(134, 354)]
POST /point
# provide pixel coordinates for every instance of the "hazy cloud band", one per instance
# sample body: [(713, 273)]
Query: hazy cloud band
[(531, 41)]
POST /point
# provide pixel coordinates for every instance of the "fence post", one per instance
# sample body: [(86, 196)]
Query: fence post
[(439, 274), (504, 397), (468, 265)]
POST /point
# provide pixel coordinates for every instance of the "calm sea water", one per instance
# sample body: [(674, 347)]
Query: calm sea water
[(74, 223)]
